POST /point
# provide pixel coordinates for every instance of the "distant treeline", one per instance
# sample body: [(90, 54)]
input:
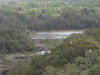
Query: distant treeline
[(50, 15), (50, 0)]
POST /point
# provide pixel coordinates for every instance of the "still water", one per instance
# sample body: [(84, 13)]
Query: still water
[(53, 35)]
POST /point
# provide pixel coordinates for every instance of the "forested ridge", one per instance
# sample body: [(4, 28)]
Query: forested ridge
[(48, 15), (79, 54), (17, 17)]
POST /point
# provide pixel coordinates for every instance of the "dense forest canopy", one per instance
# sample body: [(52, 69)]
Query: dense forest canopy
[(12, 41), (79, 54), (48, 15)]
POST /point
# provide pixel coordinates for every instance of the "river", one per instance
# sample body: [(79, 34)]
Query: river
[(53, 35)]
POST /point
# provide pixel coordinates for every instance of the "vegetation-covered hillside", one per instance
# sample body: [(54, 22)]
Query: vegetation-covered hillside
[(79, 54), (12, 40), (48, 15)]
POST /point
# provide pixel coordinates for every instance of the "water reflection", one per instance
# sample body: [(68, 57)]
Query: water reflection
[(53, 35)]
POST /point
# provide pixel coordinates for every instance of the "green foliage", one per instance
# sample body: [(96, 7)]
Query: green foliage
[(49, 15), (68, 70), (10, 19), (80, 60), (78, 55), (76, 46), (12, 40), (92, 72), (95, 33), (81, 49)]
